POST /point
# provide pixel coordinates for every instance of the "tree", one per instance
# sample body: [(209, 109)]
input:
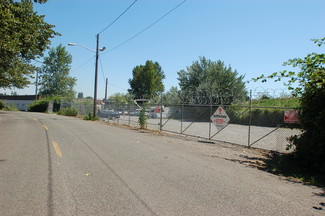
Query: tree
[(207, 81), (309, 150), (172, 96), (120, 98), (24, 37), (80, 95), (147, 80), (54, 74)]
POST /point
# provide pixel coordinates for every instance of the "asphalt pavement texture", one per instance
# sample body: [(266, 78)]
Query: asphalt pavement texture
[(56, 165)]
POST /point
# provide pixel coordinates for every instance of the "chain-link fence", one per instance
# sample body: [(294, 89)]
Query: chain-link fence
[(83, 107), (259, 127), (262, 127)]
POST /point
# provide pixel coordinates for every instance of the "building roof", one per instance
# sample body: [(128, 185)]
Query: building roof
[(18, 97)]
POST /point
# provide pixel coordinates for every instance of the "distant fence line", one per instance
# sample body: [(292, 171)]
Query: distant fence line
[(252, 126)]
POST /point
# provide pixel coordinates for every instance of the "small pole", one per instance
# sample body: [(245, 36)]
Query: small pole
[(210, 120), (250, 117), (182, 110), (161, 106), (106, 89), (36, 90)]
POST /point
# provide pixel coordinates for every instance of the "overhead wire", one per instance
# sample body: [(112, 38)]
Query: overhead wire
[(143, 30), (111, 25), (118, 17), (101, 66), (131, 38), (83, 64), (105, 29)]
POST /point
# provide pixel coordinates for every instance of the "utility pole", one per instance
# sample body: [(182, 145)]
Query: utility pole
[(36, 89), (106, 89), (96, 78), (96, 68)]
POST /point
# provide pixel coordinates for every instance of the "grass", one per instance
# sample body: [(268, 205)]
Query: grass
[(276, 102), (90, 117)]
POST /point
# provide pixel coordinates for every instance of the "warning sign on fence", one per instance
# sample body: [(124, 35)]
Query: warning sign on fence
[(220, 118), (291, 116)]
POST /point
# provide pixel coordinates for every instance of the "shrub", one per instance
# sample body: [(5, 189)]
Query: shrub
[(310, 145), (10, 107), (90, 117), (39, 106), (2, 105), (143, 118), (68, 112)]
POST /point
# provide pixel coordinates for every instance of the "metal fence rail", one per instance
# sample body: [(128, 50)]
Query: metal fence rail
[(252, 126), (259, 127)]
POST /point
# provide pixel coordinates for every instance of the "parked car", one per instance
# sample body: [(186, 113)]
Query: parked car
[(111, 114), (137, 113)]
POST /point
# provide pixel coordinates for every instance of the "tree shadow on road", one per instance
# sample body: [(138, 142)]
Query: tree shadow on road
[(282, 165)]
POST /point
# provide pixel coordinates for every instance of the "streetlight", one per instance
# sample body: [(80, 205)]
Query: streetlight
[(96, 68)]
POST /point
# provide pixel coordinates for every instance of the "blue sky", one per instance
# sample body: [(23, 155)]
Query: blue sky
[(253, 36)]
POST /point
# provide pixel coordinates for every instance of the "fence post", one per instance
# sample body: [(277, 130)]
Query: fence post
[(250, 118), (210, 120), (161, 106), (182, 110), (129, 114)]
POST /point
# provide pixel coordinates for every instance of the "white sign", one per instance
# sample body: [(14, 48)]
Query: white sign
[(220, 118)]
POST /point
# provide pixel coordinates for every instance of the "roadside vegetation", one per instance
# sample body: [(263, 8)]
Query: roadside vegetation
[(308, 157), (70, 111), (90, 117), (143, 118), (292, 102), (2, 105), (10, 107)]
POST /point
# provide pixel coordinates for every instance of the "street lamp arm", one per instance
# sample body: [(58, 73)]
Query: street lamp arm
[(96, 69), (74, 44)]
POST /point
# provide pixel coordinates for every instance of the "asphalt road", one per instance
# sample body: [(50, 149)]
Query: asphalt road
[(54, 165)]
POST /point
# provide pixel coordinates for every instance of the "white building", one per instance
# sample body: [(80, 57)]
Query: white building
[(19, 101)]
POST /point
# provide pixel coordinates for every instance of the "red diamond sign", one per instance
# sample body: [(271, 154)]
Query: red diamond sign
[(220, 118)]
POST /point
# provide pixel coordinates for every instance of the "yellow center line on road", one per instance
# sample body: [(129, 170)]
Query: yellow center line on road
[(57, 149), (44, 126), (32, 118)]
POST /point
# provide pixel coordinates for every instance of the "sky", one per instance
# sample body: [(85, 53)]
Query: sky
[(254, 37)]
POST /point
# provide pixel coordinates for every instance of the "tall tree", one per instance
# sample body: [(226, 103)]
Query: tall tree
[(24, 36), (80, 95), (147, 80), (207, 80), (54, 74)]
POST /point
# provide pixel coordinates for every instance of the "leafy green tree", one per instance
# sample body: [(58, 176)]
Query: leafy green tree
[(147, 80), (172, 96), (54, 74), (309, 84), (80, 95), (208, 81), (118, 98), (24, 37)]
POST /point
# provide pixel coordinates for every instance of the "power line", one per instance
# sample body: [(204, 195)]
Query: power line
[(149, 26), (101, 66), (83, 64), (117, 86), (118, 17)]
